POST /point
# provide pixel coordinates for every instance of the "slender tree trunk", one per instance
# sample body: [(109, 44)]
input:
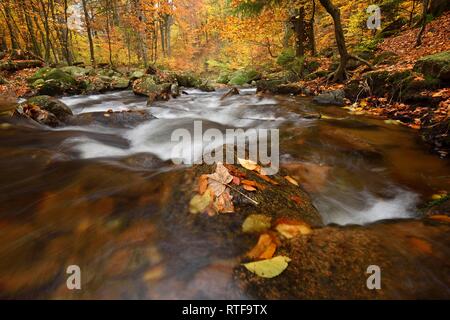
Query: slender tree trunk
[(8, 18), (89, 32), (312, 35), (423, 22)]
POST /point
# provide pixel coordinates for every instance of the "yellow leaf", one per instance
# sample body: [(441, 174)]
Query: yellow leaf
[(248, 164), (268, 268), (199, 203), (256, 223)]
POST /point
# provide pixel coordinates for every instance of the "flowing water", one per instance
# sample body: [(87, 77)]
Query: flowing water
[(357, 170)]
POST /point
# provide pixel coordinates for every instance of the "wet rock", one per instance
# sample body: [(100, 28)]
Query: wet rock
[(126, 119), (53, 81), (175, 90), (335, 97), (188, 80), (233, 92), (279, 87), (435, 66), (52, 105), (148, 86), (119, 83), (35, 113), (332, 263)]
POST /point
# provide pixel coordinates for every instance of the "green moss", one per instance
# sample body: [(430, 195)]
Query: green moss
[(188, 80), (40, 74), (224, 78), (242, 77)]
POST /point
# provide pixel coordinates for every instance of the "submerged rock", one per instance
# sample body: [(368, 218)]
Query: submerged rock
[(335, 97), (125, 119)]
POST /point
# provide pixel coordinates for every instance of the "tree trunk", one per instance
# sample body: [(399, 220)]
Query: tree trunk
[(423, 22), (312, 35), (89, 32), (340, 73), (8, 18)]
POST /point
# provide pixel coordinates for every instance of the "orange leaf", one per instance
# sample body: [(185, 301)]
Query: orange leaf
[(291, 180), (264, 249), (202, 183), (249, 188), (290, 228)]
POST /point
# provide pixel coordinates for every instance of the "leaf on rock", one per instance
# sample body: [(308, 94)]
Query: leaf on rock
[(291, 180), (264, 249), (224, 202), (236, 181), (202, 183), (290, 228), (253, 184), (268, 268), (267, 179), (249, 188), (248, 164), (219, 179), (256, 223), (199, 203)]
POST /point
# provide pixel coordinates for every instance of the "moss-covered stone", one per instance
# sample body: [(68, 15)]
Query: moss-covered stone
[(435, 66), (53, 105), (188, 80), (242, 77)]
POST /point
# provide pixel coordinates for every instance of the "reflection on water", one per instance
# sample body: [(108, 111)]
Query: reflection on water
[(96, 196)]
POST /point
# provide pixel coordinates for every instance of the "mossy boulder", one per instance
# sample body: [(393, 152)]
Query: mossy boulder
[(119, 83), (206, 87), (45, 110), (391, 83), (54, 81), (435, 66), (188, 80), (137, 74), (53, 105), (148, 87), (242, 77), (76, 71)]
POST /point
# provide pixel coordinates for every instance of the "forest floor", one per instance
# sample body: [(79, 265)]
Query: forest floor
[(417, 115)]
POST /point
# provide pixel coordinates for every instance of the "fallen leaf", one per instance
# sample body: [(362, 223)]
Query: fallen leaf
[(219, 179), (248, 164), (224, 202), (249, 188), (202, 183), (253, 184), (264, 249), (297, 200), (256, 223), (290, 228), (199, 203), (441, 218), (234, 171), (268, 268), (236, 181), (291, 180), (267, 179)]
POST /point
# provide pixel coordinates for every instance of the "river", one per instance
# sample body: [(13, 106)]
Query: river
[(357, 170)]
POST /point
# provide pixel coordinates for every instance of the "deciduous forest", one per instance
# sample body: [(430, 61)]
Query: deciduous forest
[(355, 96)]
